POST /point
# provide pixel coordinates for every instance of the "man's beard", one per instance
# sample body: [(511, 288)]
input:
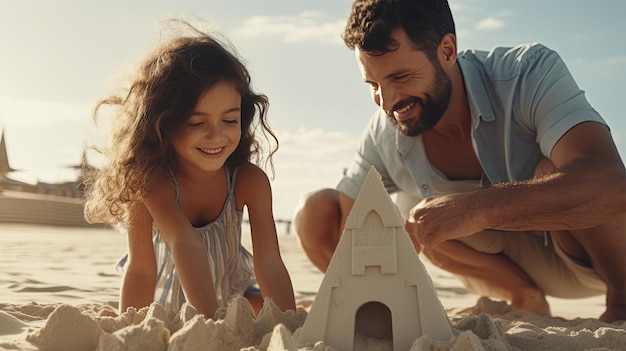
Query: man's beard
[(433, 107)]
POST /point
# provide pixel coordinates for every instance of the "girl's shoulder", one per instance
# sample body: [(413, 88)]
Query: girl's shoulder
[(163, 187), (251, 184), (250, 173)]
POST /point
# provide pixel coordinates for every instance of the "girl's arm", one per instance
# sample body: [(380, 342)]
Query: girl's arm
[(186, 248), (272, 276), (139, 279)]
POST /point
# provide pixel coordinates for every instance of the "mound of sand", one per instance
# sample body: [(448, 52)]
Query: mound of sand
[(488, 325)]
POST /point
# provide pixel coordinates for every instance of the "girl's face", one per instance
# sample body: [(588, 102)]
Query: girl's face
[(212, 132)]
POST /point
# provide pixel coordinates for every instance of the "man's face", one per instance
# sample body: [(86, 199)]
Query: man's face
[(410, 88)]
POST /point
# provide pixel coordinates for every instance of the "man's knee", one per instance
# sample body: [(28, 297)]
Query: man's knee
[(545, 166), (316, 221), (317, 213)]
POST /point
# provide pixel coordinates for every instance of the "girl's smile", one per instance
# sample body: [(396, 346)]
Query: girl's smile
[(212, 132), (212, 152)]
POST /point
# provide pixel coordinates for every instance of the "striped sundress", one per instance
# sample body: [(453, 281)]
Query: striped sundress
[(230, 263)]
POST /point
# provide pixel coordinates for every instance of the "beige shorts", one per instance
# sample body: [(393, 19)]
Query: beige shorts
[(543, 260), (536, 253)]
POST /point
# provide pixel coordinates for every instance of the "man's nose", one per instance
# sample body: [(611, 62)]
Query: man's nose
[(386, 98)]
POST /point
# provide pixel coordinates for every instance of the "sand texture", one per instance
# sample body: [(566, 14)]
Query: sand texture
[(58, 291)]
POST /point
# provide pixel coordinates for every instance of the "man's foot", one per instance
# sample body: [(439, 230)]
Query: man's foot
[(614, 313), (532, 300)]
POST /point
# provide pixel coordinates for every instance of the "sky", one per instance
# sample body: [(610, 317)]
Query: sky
[(57, 58)]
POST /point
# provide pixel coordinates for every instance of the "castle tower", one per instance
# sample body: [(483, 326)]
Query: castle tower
[(375, 284)]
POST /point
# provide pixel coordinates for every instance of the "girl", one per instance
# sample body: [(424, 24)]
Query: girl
[(178, 177)]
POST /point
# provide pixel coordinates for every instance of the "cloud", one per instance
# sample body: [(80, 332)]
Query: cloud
[(489, 23), (304, 27), (307, 160), (614, 60), (463, 8), (37, 113)]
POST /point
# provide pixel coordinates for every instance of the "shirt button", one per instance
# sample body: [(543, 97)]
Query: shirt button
[(424, 187)]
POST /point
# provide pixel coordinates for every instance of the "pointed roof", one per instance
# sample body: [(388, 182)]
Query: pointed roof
[(374, 196), (5, 167)]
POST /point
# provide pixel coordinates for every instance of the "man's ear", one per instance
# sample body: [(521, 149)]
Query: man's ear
[(446, 52)]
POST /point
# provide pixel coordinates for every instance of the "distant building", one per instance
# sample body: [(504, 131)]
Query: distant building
[(5, 168), (72, 189), (41, 203)]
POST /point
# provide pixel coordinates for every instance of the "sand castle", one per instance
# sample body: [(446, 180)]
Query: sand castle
[(375, 286)]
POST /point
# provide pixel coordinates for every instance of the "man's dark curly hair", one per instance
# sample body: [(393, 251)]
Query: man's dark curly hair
[(371, 22)]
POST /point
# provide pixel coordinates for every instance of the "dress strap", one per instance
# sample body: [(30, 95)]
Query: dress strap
[(231, 179), (175, 184)]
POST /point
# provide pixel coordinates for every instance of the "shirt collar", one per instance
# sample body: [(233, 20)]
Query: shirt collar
[(404, 143), (477, 90), (477, 97)]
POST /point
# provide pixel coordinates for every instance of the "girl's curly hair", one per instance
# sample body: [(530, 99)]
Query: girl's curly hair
[(147, 115)]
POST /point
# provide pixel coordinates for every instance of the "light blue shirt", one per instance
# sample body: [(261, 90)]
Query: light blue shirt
[(522, 100)]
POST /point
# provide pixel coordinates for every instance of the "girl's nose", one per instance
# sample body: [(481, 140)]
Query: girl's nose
[(212, 131)]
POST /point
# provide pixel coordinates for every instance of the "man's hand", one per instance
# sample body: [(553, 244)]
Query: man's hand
[(443, 217), (408, 226)]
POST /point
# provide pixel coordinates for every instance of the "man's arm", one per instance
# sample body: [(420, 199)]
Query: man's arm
[(588, 188)]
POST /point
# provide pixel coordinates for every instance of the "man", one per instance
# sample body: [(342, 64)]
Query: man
[(518, 187)]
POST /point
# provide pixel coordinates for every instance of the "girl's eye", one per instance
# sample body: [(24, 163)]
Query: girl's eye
[(231, 121), (194, 124)]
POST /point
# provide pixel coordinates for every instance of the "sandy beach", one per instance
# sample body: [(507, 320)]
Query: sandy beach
[(59, 291)]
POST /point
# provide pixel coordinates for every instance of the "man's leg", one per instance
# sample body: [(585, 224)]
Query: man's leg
[(602, 248), (490, 272), (484, 270), (316, 221)]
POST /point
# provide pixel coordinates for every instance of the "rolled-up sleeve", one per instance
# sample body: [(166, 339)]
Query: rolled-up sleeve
[(552, 100)]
